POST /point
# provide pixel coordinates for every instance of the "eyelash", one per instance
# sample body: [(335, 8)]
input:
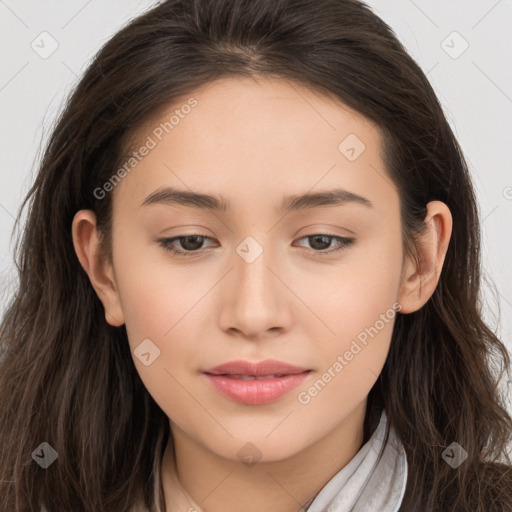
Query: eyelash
[(166, 244)]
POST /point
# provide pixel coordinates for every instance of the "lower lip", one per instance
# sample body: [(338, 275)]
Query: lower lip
[(256, 392)]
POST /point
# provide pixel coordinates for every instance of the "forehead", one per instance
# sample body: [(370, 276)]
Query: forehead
[(248, 138)]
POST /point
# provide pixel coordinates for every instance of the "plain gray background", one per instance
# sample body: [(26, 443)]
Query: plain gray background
[(463, 46)]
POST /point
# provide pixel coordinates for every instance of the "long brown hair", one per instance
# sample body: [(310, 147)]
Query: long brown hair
[(67, 377)]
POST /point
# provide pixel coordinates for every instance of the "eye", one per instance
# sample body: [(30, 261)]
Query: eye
[(192, 244), (189, 243), (320, 241)]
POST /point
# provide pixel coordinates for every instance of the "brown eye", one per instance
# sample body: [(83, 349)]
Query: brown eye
[(321, 243), (190, 244)]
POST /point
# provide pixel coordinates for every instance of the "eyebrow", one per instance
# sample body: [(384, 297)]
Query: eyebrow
[(333, 197)]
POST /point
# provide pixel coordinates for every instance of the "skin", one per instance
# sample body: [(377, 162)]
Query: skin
[(254, 141)]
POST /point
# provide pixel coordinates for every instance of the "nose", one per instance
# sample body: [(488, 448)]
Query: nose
[(255, 299)]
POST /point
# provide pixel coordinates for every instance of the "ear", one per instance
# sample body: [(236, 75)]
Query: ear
[(87, 247), (419, 279)]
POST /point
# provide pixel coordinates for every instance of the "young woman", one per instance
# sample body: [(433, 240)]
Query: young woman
[(250, 280)]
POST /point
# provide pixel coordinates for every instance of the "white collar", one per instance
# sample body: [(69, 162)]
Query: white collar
[(374, 479)]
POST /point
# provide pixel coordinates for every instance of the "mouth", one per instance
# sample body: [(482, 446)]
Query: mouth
[(268, 368), (256, 383), (250, 377)]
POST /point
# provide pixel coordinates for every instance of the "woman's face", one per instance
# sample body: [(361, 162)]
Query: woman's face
[(259, 285)]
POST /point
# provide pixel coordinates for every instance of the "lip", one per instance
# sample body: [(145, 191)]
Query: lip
[(275, 379), (266, 367)]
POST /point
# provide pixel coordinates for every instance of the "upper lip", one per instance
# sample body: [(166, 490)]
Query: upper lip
[(267, 367)]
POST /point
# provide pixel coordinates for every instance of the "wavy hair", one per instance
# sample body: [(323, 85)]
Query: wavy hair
[(68, 378)]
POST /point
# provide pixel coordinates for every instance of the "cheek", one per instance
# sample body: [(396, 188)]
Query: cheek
[(163, 303), (155, 294), (352, 358), (357, 306), (352, 295), (160, 302)]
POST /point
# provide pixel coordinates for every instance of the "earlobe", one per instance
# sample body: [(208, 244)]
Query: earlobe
[(88, 250), (420, 278)]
